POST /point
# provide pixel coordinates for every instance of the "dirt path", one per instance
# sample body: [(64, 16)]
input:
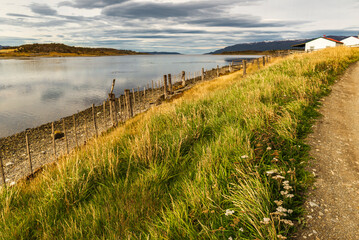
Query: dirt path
[(333, 203)]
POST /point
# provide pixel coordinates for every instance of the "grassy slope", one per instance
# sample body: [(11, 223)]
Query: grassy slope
[(178, 171)]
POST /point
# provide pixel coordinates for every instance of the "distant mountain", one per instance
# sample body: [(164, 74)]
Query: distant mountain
[(268, 45), (163, 53)]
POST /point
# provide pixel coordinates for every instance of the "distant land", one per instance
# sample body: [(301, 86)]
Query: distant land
[(163, 53), (265, 46), (60, 50)]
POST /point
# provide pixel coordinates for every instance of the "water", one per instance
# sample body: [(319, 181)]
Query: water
[(39, 90)]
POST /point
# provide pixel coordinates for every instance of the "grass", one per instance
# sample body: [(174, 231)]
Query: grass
[(225, 161)]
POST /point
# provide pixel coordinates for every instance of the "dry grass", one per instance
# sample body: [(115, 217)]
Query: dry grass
[(206, 166)]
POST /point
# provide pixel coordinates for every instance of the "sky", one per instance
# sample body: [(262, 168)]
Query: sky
[(197, 26)]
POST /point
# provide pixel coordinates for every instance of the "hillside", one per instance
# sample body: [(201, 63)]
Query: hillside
[(226, 160), (59, 49), (257, 47)]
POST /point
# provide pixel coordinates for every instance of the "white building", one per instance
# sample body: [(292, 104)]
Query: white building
[(351, 41), (320, 43)]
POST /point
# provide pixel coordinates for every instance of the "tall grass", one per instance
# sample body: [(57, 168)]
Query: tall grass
[(225, 161)]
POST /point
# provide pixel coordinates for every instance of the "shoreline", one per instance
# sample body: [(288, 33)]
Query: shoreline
[(13, 152), (65, 55)]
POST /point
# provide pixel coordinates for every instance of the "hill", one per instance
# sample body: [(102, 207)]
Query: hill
[(258, 47), (62, 48), (59, 49)]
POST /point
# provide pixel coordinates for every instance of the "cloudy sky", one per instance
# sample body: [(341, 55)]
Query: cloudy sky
[(196, 26)]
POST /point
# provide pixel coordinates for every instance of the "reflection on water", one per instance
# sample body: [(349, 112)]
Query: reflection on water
[(39, 90)]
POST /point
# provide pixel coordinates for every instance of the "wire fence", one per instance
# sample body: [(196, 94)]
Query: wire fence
[(25, 153)]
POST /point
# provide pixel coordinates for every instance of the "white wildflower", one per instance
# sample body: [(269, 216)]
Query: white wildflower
[(281, 237), (241, 229), (265, 221), (270, 172), (286, 182), (281, 209), (287, 187), (229, 212), (283, 192), (230, 238), (269, 148), (290, 211), (244, 156), (278, 177), (279, 203), (288, 222), (289, 195)]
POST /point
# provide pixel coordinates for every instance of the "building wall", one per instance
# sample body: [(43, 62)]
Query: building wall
[(319, 43), (351, 41)]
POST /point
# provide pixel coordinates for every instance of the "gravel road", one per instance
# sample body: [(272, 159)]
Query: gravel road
[(332, 206)]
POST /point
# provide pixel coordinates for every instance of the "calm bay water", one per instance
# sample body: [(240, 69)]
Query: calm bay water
[(39, 90)]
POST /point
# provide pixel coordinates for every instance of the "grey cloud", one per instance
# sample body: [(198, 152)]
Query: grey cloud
[(89, 4), (340, 32), (42, 9), (18, 15), (245, 22), (165, 10), (157, 31), (148, 10)]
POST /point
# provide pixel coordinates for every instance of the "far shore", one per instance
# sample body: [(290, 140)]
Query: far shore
[(56, 54)]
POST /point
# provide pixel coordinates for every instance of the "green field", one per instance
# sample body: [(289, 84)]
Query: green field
[(224, 161)]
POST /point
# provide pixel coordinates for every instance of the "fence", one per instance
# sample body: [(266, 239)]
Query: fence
[(25, 153)]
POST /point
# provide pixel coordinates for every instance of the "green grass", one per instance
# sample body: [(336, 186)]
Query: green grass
[(197, 168)]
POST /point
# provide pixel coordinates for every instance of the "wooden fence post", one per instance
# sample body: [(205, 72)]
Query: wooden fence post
[(259, 66), (119, 109), (244, 67), (202, 77), (183, 78), (86, 132), (111, 110), (65, 135), (128, 103), (53, 140), (94, 119), (28, 152), (264, 61), (217, 70), (104, 113), (144, 98), (115, 109), (134, 97), (75, 129), (165, 86), (2, 170), (170, 83)]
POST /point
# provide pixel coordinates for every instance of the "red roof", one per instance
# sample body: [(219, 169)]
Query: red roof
[(331, 39)]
